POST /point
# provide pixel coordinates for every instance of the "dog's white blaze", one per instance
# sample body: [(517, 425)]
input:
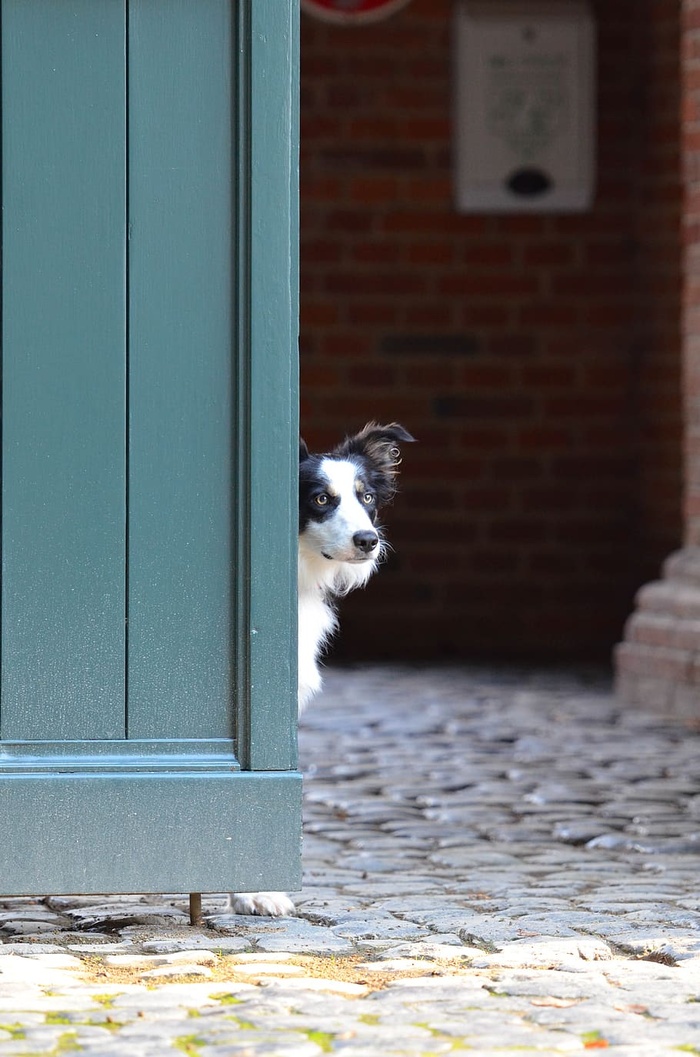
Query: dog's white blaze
[(349, 517)]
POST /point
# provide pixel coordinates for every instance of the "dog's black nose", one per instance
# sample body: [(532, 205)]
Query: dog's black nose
[(365, 541)]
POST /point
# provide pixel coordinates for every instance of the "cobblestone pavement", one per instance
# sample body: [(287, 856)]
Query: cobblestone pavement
[(495, 863)]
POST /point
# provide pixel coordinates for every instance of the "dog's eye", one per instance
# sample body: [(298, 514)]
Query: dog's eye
[(321, 500), (368, 498)]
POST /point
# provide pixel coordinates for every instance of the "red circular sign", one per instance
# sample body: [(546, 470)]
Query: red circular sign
[(352, 11)]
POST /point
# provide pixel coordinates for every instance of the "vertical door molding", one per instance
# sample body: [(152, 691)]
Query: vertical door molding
[(266, 446)]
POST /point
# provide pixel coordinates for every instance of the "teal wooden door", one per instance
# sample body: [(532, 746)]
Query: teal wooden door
[(147, 698)]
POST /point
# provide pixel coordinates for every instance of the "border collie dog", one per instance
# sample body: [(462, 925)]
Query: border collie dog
[(340, 546)]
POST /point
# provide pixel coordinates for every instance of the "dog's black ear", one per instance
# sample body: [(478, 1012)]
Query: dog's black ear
[(303, 450), (379, 444)]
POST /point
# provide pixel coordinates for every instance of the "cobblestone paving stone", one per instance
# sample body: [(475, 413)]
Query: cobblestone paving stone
[(495, 863)]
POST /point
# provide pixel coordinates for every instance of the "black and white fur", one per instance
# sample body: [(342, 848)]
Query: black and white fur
[(340, 546)]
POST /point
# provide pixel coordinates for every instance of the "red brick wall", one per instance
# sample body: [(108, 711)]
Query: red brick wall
[(656, 382), (691, 236), (535, 357)]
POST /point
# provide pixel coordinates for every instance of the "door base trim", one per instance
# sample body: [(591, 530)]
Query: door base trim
[(125, 833)]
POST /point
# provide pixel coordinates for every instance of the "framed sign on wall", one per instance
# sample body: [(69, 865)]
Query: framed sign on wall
[(524, 105)]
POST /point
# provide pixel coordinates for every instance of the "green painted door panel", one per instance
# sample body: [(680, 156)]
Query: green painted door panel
[(181, 518), (149, 312), (64, 343)]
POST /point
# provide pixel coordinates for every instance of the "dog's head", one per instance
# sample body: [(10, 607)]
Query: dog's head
[(341, 492)]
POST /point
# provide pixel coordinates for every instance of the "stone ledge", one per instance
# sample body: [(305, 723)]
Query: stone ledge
[(657, 665)]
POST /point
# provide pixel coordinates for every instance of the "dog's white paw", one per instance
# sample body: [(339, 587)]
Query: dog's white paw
[(265, 904)]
